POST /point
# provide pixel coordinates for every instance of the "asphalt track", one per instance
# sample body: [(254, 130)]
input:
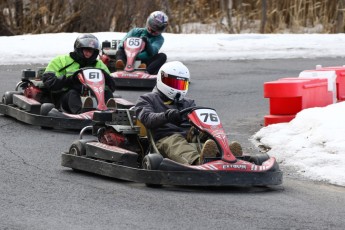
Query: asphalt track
[(37, 193)]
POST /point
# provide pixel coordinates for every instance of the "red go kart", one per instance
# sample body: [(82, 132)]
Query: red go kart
[(122, 151), (131, 76), (31, 102)]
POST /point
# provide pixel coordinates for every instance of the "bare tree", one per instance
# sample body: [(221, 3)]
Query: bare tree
[(232, 16), (340, 17), (263, 16)]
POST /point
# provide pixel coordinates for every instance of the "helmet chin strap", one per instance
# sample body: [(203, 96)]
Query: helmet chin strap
[(177, 98)]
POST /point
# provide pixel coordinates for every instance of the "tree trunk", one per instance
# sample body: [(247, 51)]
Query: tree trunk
[(263, 16), (340, 17)]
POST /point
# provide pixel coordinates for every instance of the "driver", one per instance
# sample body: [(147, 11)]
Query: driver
[(156, 23), (159, 111), (60, 78)]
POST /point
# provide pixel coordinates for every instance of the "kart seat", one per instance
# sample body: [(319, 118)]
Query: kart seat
[(153, 148), (143, 131)]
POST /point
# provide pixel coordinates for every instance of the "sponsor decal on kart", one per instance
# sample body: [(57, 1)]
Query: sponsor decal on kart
[(109, 147), (234, 166)]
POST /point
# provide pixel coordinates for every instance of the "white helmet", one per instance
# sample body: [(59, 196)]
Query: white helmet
[(173, 80)]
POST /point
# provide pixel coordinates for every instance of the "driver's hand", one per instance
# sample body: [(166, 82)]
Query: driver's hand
[(173, 116), (145, 39), (71, 80)]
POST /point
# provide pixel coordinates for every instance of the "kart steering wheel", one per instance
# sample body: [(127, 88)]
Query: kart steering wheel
[(186, 111)]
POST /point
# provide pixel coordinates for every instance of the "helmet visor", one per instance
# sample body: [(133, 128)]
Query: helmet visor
[(174, 81), (153, 32)]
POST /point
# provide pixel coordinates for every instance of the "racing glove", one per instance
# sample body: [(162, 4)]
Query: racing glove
[(52, 82), (173, 116), (148, 46), (145, 39), (71, 80)]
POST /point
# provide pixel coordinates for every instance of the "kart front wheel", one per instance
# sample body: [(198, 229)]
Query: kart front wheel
[(77, 148), (152, 161), (46, 108), (258, 159)]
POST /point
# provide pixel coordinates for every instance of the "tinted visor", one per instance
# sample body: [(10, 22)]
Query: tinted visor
[(152, 31), (174, 81)]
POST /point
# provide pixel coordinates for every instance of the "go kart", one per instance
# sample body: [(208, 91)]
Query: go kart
[(123, 151), (131, 76), (31, 102)]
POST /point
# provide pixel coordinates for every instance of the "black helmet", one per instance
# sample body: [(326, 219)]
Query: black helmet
[(86, 41), (157, 22)]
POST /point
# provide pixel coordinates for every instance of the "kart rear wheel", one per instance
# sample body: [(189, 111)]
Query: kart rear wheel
[(259, 158), (7, 98)]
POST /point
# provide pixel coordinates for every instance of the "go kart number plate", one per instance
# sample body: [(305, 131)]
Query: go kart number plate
[(208, 116), (93, 75), (133, 42)]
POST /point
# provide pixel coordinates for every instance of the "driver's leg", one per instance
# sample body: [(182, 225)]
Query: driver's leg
[(120, 59), (155, 63), (176, 148), (71, 102)]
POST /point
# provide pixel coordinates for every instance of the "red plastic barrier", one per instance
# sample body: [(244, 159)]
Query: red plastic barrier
[(288, 96), (340, 79), (274, 119)]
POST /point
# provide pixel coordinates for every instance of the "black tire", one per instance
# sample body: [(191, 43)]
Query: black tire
[(7, 98), (259, 158), (152, 161), (46, 108), (78, 147)]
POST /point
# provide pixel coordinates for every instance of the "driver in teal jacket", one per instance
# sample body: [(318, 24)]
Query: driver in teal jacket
[(152, 36), (60, 78)]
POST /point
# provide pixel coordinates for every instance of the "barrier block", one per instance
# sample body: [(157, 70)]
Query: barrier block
[(339, 73), (289, 96), (274, 119)]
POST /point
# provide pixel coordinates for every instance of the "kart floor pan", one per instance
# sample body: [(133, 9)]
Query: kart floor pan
[(179, 178), (43, 121)]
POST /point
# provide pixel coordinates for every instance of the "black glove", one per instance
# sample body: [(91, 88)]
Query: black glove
[(71, 80), (173, 116), (145, 39)]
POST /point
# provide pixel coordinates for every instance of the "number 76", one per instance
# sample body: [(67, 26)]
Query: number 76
[(212, 116)]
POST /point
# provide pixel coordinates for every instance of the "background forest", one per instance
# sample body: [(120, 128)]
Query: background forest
[(185, 16)]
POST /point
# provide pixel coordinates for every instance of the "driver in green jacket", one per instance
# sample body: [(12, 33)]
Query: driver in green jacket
[(60, 78), (150, 57)]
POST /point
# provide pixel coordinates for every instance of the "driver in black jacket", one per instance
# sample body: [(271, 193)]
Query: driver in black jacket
[(159, 111)]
